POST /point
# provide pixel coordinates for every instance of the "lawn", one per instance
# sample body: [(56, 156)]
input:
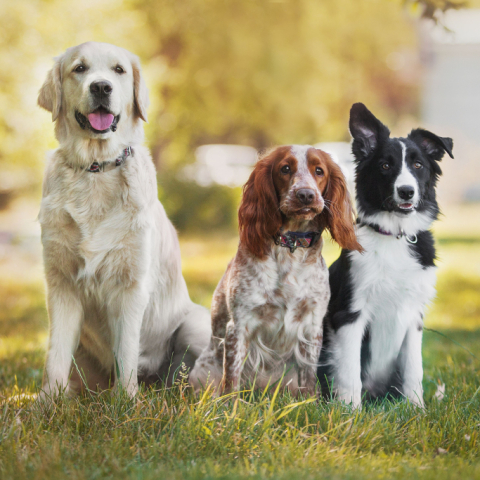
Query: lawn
[(169, 433)]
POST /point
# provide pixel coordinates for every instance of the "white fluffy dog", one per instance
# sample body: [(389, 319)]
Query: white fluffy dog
[(117, 301)]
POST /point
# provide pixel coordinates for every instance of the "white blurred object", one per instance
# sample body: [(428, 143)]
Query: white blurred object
[(457, 27), (451, 59), (229, 165)]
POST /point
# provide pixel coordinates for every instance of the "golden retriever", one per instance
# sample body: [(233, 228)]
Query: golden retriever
[(118, 305)]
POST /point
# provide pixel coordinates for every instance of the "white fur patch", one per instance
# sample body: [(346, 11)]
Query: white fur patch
[(406, 178), (394, 222), (305, 178)]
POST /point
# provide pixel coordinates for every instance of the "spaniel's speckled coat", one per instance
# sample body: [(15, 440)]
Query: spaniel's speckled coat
[(268, 308)]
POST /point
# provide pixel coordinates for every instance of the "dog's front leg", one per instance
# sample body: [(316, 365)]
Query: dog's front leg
[(411, 364), (235, 352), (125, 315), (346, 360), (307, 375), (66, 314)]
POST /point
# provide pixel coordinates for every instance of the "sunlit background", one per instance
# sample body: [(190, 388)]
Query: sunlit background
[(228, 78)]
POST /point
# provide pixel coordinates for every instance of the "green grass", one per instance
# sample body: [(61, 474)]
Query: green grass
[(169, 433)]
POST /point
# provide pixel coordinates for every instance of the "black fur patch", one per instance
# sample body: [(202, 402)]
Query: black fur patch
[(424, 249)]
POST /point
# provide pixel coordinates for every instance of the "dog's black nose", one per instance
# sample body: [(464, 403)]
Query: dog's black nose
[(102, 88), (406, 192), (305, 195)]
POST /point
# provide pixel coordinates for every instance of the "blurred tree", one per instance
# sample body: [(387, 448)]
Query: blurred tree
[(433, 9), (255, 72), (263, 73)]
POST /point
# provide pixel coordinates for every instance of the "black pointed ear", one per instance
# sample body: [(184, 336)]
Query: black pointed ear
[(433, 145), (367, 131)]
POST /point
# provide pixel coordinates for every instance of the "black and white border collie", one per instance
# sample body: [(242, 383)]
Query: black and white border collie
[(373, 328)]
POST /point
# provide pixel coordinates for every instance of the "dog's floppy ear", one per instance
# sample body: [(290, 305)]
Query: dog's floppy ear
[(140, 91), (367, 131), (433, 145), (337, 215), (50, 94), (259, 215)]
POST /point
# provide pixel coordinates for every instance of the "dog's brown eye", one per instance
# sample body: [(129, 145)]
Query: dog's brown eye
[(418, 165), (119, 69), (386, 166), (80, 68), (285, 169), (319, 171)]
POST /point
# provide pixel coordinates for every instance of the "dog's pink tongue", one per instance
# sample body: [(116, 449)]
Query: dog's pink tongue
[(100, 120)]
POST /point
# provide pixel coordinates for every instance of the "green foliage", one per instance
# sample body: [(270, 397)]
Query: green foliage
[(223, 71), (198, 209), (263, 73), (23, 309), (459, 302), (219, 71)]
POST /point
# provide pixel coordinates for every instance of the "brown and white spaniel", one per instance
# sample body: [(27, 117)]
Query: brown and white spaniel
[(268, 309)]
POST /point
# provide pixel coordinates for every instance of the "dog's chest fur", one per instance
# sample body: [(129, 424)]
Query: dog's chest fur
[(390, 290), (276, 300), (98, 225)]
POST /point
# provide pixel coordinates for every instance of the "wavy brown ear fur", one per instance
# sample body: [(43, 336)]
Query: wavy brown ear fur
[(259, 217), (338, 213)]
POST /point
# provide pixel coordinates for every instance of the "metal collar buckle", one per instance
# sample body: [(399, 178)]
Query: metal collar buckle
[(412, 239)]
